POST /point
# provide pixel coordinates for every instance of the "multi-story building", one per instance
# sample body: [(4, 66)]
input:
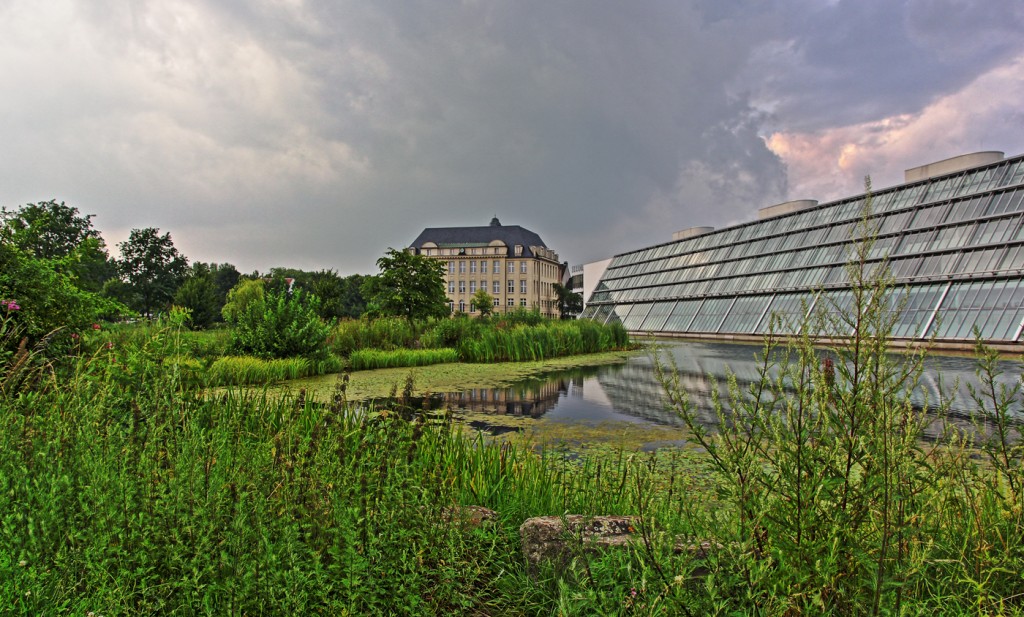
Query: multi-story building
[(952, 236), (511, 263)]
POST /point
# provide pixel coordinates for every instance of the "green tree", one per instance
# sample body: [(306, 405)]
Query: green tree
[(151, 267), (199, 294), (570, 304), (409, 285), (57, 232), (241, 295), (483, 301)]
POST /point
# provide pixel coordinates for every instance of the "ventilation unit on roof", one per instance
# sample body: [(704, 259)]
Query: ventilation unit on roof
[(786, 208), (691, 232), (948, 166)]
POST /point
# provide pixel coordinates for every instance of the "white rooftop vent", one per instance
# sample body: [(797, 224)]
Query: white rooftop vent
[(691, 232), (948, 166), (785, 208)]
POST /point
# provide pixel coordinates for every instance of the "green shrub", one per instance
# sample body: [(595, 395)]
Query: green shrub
[(280, 325)]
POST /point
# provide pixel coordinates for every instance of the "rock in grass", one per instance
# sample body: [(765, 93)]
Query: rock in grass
[(559, 538)]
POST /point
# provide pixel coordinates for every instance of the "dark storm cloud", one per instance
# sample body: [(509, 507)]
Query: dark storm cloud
[(318, 133), (852, 61)]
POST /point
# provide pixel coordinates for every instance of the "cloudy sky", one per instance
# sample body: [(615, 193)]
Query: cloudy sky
[(317, 133)]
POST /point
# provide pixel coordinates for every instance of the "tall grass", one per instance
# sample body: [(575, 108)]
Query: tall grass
[(381, 333), (248, 370), (128, 492), (831, 500), (365, 359), (546, 340)]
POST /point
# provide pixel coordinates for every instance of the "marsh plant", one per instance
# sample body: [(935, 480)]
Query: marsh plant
[(831, 501)]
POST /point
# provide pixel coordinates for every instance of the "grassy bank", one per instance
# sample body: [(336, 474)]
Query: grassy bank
[(522, 336), (127, 491)]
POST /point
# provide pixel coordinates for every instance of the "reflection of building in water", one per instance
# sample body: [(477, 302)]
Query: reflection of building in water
[(633, 389), (532, 400)]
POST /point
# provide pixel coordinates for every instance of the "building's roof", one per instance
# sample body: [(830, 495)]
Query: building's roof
[(511, 235)]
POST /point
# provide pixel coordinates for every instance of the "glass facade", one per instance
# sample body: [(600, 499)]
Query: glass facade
[(954, 245)]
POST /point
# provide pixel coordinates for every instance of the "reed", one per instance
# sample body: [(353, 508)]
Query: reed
[(364, 359), (548, 339), (249, 370)]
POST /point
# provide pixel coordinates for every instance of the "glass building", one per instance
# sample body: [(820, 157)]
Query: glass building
[(952, 236)]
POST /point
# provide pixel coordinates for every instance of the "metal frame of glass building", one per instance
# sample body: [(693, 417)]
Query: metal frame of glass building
[(953, 240)]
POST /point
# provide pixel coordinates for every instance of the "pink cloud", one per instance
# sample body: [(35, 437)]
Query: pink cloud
[(832, 163)]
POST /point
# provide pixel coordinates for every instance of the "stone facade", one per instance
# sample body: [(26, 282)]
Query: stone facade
[(510, 262)]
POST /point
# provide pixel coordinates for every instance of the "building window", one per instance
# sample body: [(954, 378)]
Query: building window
[(483, 285), (497, 267), (522, 267), (522, 301), (522, 287), (462, 267), (497, 287), (497, 302), (451, 306), (483, 266), (462, 288), (511, 301), (451, 267), (511, 267), (451, 287), (472, 287), (511, 286), (472, 267), (462, 306)]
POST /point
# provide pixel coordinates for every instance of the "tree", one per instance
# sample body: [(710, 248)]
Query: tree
[(199, 294), (570, 304), (240, 296), (58, 233), (409, 285), (151, 267), (483, 301)]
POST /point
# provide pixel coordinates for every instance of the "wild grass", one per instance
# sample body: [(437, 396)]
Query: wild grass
[(126, 490), (365, 359), (550, 339), (382, 333), (248, 370), (520, 336)]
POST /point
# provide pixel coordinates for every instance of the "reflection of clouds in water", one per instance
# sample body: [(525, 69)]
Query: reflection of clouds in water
[(631, 392)]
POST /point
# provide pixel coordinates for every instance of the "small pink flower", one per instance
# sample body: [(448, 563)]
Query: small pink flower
[(110, 345), (12, 305), (74, 335), (95, 326)]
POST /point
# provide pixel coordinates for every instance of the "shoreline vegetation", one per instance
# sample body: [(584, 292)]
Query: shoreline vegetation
[(206, 357), (130, 491), (129, 488)]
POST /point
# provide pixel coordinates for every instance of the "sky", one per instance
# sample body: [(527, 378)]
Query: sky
[(316, 134)]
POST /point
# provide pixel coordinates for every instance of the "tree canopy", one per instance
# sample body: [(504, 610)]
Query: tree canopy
[(570, 303), (60, 234), (409, 285), (152, 268)]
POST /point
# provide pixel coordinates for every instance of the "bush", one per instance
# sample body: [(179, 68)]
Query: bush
[(281, 325)]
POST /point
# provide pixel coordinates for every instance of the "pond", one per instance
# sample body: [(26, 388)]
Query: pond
[(623, 397)]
